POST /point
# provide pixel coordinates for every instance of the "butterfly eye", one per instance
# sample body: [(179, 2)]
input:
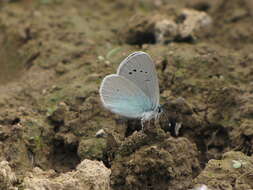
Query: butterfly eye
[(141, 71), (134, 70), (130, 73)]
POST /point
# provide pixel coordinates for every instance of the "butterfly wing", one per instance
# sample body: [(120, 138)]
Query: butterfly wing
[(140, 69), (123, 97)]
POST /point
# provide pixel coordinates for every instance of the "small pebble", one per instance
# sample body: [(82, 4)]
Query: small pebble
[(201, 187), (101, 58), (100, 133)]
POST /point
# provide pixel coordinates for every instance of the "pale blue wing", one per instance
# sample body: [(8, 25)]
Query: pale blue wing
[(140, 69), (123, 97)]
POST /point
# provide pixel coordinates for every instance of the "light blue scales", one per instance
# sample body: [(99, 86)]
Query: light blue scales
[(134, 91)]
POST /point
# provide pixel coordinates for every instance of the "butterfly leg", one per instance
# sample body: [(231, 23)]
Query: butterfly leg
[(177, 128), (142, 124)]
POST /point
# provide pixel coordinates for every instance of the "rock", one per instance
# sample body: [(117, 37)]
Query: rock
[(7, 177), (220, 174), (94, 174), (164, 28), (150, 29), (89, 175), (165, 31), (101, 133), (139, 30), (60, 69), (204, 5), (193, 22), (200, 187)]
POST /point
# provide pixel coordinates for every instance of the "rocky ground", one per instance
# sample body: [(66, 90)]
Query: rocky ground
[(56, 52)]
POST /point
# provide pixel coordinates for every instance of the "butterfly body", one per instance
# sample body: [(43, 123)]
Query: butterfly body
[(133, 92), (149, 115)]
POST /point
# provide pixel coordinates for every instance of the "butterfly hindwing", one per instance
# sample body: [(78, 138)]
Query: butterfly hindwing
[(123, 97)]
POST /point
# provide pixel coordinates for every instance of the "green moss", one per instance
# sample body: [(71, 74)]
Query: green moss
[(38, 143), (179, 62), (92, 148), (49, 102), (51, 110)]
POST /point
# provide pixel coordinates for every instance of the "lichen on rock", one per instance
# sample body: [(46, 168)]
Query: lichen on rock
[(90, 175), (8, 178), (220, 174)]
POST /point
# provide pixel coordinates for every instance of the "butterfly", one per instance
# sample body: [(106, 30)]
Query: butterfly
[(133, 92)]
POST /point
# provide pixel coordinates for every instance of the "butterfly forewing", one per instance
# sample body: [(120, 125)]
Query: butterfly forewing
[(139, 68), (123, 97)]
